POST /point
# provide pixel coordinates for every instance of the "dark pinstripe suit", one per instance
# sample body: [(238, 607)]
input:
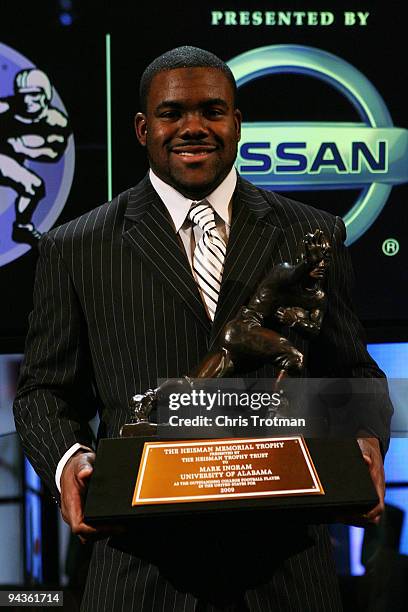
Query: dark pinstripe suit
[(116, 307)]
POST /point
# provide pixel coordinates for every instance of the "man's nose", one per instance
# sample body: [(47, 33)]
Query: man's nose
[(193, 125)]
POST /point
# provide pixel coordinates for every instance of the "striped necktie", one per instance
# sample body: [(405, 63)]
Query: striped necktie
[(209, 254)]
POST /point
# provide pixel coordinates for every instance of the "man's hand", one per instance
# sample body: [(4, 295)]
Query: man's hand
[(74, 483), (370, 447)]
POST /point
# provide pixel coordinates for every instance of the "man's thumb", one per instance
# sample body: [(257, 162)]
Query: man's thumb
[(84, 470)]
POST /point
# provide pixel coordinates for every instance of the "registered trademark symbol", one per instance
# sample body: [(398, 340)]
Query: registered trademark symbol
[(390, 247)]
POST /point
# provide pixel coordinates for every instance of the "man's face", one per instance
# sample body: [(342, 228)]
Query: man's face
[(191, 129), (34, 102)]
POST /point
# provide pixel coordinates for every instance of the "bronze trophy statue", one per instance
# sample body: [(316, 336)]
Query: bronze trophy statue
[(290, 295)]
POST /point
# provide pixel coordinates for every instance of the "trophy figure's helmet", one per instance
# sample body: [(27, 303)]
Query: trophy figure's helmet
[(33, 80)]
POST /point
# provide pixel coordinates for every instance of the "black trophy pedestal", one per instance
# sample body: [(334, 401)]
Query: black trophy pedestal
[(339, 464)]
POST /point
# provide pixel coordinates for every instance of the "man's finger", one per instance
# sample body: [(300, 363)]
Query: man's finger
[(84, 468), (376, 512), (87, 533), (367, 459), (83, 473)]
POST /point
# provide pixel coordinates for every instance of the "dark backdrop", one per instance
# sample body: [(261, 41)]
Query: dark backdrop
[(74, 58)]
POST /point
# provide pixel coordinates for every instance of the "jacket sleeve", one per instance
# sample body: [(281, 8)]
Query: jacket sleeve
[(340, 352), (55, 398)]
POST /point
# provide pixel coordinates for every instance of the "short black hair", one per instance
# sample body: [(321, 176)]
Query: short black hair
[(182, 57)]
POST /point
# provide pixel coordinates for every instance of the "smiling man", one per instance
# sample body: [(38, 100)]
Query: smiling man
[(191, 128), (139, 289)]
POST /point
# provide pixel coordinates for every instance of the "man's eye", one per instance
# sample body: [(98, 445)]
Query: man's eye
[(215, 112), (170, 114)]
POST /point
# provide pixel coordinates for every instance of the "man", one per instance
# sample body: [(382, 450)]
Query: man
[(31, 130), (121, 300)]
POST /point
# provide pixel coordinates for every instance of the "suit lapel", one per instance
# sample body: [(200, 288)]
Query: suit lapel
[(152, 235), (254, 236)]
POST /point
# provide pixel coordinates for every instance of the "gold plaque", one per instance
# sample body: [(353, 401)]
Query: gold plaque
[(236, 468)]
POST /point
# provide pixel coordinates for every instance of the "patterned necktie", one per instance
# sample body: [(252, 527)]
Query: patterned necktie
[(209, 254)]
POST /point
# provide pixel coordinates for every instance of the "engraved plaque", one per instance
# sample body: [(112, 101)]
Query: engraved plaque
[(238, 468)]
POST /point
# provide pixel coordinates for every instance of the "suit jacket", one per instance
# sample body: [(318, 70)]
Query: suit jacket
[(116, 308)]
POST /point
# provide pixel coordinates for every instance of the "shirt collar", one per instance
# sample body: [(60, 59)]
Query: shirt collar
[(178, 205)]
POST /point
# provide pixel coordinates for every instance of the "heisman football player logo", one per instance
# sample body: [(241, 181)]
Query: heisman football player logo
[(36, 154)]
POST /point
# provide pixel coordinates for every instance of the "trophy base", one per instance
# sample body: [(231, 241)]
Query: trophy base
[(339, 464)]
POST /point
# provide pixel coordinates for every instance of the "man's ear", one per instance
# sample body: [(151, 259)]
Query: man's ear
[(141, 128)]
